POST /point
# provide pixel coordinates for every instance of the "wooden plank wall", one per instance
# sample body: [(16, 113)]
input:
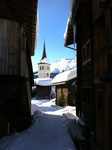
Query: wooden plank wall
[(14, 107), (14, 62), (65, 93), (102, 60), (43, 91), (100, 54), (61, 91), (72, 93), (103, 132), (96, 8), (10, 49), (13, 58)]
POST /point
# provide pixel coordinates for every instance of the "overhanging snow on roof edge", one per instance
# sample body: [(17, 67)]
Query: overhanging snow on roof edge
[(43, 81), (64, 76), (70, 32), (68, 35)]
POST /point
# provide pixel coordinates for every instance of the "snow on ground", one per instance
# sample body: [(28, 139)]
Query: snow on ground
[(53, 128), (49, 107)]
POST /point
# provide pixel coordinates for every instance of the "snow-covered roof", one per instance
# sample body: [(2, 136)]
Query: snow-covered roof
[(43, 81), (33, 88), (64, 76), (45, 61)]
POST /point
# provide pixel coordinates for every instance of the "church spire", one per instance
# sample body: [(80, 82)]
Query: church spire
[(44, 52)]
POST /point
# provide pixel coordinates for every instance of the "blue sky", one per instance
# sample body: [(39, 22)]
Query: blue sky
[(53, 15)]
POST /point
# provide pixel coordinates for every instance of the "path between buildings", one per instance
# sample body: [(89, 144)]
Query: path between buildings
[(50, 129)]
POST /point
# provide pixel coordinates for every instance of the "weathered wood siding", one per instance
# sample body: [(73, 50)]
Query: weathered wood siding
[(12, 48), (13, 57), (14, 107), (14, 64), (103, 93), (58, 93), (72, 96), (67, 92), (43, 92), (94, 62), (96, 8), (102, 71), (85, 101), (62, 94)]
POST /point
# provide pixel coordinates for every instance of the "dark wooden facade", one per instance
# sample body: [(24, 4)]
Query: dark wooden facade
[(17, 43), (93, 35), (66, 91), (43, 92)]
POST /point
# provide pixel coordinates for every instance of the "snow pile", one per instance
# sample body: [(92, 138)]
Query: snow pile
[(45, 60), (63, 64), (65, 76), (48, 132), (52, 129), (49, 107), (43, 81)]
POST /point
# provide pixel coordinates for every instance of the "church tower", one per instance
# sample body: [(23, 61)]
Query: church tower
[(44, 65)]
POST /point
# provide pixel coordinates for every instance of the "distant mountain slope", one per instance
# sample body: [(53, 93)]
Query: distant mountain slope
[(63, 64)]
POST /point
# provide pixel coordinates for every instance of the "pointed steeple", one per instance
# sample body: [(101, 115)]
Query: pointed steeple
[(44, 52)]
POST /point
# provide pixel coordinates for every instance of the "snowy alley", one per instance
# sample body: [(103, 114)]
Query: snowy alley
[(53, 128)]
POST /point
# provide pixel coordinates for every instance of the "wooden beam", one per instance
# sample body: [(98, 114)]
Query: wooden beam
[(71, 48), (108, 24), (21, 5), (24, 19), (22, 11), (28, 3), (99, 14)]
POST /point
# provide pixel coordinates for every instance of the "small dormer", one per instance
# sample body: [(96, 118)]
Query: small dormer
[(44, 65)]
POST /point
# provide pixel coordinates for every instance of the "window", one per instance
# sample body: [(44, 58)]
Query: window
[(47, 74), (42, 67), (48, 68)]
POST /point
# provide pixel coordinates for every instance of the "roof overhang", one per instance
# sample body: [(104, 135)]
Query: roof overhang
[(58, 83), (69, 35)]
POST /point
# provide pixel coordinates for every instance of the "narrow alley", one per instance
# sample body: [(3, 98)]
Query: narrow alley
[(53, 128), (55, 74)]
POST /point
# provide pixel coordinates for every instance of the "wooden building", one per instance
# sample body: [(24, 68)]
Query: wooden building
[(90, 27), (65, 87), (43, 88), (18, 23)]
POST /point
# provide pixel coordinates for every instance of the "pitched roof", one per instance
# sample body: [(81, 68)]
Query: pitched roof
[(44, 52), (63, 77), (43, 81)]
